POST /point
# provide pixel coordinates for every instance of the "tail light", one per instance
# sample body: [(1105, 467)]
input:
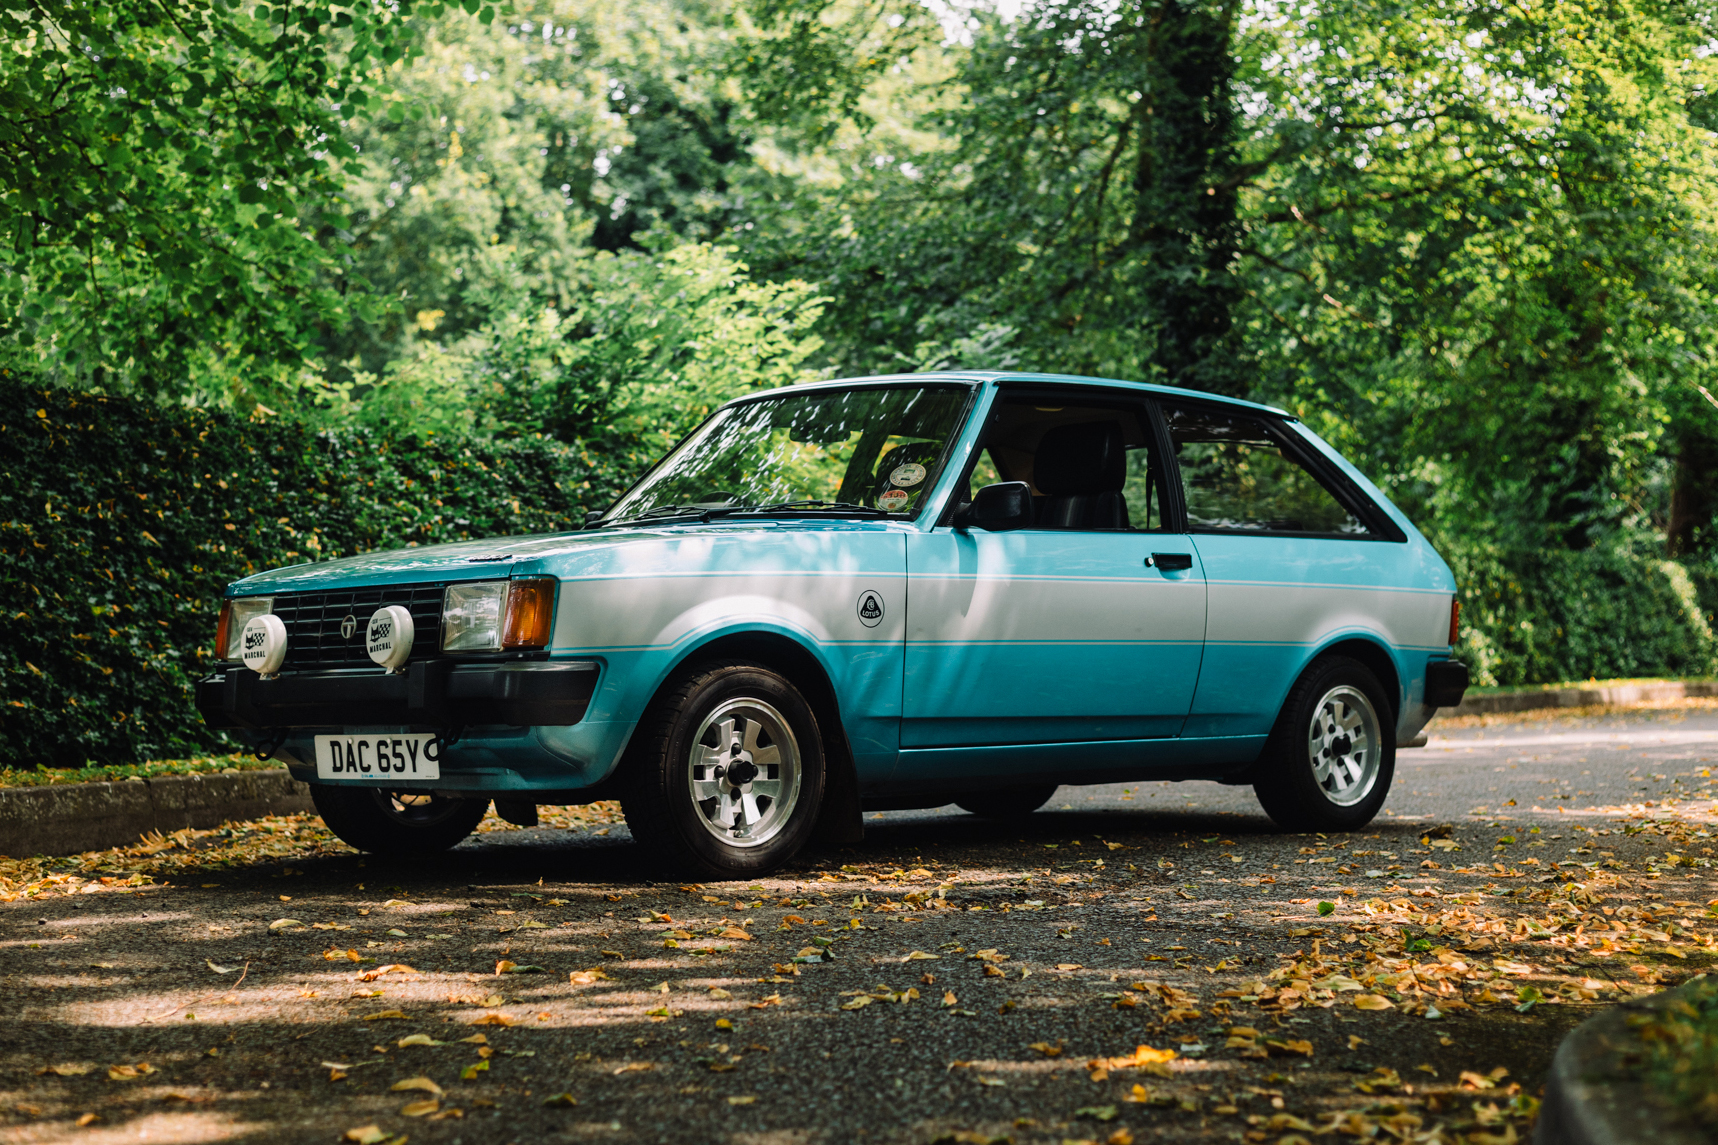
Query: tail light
[(1455, 619), (530, 614)]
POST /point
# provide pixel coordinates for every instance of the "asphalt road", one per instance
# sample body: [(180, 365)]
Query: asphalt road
[(1042, 954)]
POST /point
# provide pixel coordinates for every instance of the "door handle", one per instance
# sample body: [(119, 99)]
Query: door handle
[(1169, 562)]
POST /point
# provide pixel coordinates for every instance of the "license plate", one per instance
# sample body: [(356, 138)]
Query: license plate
[(378, 757)]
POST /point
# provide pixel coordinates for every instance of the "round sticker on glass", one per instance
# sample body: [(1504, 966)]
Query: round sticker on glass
[(893, 501), (908, 474)]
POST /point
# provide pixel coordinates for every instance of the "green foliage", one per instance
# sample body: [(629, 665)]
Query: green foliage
[(655, 342), (200, 765), (165, 170), (1545, 615), (122, 521)]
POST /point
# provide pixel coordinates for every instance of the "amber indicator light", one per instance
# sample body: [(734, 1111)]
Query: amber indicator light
[(221, 629), (1455, 619), (530, 613)]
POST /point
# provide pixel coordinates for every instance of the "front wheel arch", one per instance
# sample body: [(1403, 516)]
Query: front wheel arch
[(841, 820)]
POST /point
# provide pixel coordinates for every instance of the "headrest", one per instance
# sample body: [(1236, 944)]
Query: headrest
[(1078, 460)]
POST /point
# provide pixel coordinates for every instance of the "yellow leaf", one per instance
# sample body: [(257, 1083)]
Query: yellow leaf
[(716, 992), (492, 1000), (422, 1083), (372, 975), (380, 1015), (283, 923), (496, 1020), (736, 933), (921, 956), (129, 1072), (858, 1003), (419, 1040), (742, 1100), (561, 1099), (724, 1024), (586, 977), (1048, 1050), (470, 1072), (69, 1070), (419, 1108), (366, 1135), (504, 966), (475, 1040), (1372, 1002)]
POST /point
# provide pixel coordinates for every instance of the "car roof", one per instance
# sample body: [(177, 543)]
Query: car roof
[(980, 376)]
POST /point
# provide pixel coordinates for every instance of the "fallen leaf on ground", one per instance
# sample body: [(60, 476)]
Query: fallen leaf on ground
[(419, 1040), (746, 1099), (220, 969), (419, 1108), (561, 1099), (129, 1072), (283, 923), (1373, 1002), (366, 1135), (496, 1020), (382, 1015), (422, 1083), (68, 1070)]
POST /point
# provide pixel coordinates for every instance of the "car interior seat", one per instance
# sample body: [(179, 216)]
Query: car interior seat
[(1080, 470)]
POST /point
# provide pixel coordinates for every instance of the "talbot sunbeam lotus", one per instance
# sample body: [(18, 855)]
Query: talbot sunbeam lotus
[(884, 593)]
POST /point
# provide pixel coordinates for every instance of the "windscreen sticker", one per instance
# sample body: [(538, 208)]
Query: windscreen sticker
[(909, 474), (893, 500)]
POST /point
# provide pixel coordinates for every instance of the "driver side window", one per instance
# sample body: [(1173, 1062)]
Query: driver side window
[(1089, 466)]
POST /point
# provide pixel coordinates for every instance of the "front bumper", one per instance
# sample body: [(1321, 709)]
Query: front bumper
[(434, 694)]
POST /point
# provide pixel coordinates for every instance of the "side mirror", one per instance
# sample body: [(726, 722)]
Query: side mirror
[(1004, 505), (593, 515)]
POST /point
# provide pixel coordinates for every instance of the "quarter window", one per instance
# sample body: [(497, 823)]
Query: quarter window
[(1239, 478)]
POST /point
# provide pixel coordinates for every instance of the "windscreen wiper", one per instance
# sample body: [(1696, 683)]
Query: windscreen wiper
[(663, 511), (815, 505)]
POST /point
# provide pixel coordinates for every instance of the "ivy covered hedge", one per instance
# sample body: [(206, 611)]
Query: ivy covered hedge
[(1544, 616), (121, 522)]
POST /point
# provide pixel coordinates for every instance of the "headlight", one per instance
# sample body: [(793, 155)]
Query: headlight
[(471, 616), (492, 615), (235, 614)]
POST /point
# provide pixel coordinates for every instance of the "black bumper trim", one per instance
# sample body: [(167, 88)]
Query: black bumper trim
[(1446, 683), (433, 694)]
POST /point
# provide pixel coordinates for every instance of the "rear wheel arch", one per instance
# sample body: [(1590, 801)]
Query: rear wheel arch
[(1379, 662)]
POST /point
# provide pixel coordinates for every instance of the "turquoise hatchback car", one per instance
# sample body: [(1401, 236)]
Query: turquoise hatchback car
[(878, 593)]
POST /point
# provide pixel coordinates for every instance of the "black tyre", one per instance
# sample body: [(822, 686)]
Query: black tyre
[(396, 822), (1007, 802), (725, 774), (1332, 754)]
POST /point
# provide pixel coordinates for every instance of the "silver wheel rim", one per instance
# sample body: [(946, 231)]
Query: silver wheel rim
[(415, 808), (743, 773), (1344, 744)]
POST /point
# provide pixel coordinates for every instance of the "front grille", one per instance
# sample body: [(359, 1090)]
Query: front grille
[(313, 621)]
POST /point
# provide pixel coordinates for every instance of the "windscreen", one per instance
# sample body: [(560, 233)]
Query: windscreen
[(875, 449)]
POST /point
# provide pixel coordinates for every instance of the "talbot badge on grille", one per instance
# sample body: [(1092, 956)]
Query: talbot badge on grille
[(348, 626)]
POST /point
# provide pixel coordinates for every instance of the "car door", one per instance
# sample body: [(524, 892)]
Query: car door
[(1085, 626), (1292, 561)]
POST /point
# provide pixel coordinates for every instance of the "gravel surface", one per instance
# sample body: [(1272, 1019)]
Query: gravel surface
[(949, 979)]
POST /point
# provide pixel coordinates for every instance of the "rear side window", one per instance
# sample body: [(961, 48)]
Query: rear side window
[(1239, 478)]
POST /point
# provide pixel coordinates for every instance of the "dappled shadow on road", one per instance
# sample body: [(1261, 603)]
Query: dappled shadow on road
[(947, 975)]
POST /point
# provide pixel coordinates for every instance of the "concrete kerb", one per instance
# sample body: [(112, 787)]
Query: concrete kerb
[(73, 818), (1525, 701), (1592, 1099)]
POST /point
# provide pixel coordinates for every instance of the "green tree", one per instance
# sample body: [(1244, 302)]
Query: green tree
[(167, 171)]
